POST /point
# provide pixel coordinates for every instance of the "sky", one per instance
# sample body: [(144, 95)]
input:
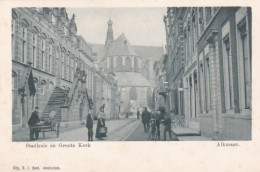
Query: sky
[(141, 26)]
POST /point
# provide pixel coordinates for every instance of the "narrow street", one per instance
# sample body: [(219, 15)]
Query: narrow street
[(118, 130)]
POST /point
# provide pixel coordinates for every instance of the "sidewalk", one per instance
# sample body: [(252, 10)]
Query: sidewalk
[(183, 131), (188, 134)]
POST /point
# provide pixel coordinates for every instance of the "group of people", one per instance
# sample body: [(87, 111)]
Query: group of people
[(101, 130), (152, 121)]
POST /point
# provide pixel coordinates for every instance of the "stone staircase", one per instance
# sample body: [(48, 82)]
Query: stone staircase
[(58, 98)]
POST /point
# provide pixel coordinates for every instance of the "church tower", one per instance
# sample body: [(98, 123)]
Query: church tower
[(110, 37)]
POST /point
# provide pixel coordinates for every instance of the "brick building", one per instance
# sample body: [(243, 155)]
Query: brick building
[(47, 39), (214, 62)]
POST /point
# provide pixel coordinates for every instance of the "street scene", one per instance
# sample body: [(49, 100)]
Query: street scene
[(131, 74)]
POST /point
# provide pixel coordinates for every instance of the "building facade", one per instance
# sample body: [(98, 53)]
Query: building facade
[(215, 48), (46, 41)]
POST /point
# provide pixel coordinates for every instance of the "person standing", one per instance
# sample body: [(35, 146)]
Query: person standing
[(101, 124), (167, 123), (34, 119), (158, 122), (138, 114), (89, 125), (146, 117)]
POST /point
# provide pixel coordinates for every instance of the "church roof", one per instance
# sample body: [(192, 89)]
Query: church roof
[(132, 79), (153, 52), (121, 46)]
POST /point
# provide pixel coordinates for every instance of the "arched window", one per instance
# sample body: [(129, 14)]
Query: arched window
[(34, 43), (25, 25), (133, 94), (128, 64), (24, 43), (136, 64), (119, 64), (50, 58)]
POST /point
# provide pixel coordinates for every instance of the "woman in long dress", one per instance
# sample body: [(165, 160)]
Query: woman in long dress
[(101, 123)]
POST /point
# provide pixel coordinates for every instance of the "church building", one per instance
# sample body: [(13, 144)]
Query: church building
[(132, 68)]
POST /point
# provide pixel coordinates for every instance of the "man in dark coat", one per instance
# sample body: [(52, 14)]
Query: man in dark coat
[(146, 117), (158, 122), (167, 123), (89, 125), (32, 122)]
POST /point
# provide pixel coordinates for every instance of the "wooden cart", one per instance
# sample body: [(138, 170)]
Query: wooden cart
[(53, 126)]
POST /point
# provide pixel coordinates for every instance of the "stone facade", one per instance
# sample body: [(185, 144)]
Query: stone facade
[(216, 74), (48, 40)]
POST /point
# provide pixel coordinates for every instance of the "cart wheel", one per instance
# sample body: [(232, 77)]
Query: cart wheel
[(57, 129)]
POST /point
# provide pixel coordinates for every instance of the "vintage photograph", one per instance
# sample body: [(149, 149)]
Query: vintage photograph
[(131, 74)]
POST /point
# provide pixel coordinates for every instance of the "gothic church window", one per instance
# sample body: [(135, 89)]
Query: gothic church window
[(128, 64), (119, 64), (136, 64)]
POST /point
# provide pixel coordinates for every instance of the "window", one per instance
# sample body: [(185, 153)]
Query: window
[(43, 54), (34, 54), (119, 64), (24, 42), (244, 58), (136, 64), (190, 95), (128, 64), (246, 68), (195, 93), (227, 71), (194, 34), (202, 90), (50, 59), (207, 79)]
